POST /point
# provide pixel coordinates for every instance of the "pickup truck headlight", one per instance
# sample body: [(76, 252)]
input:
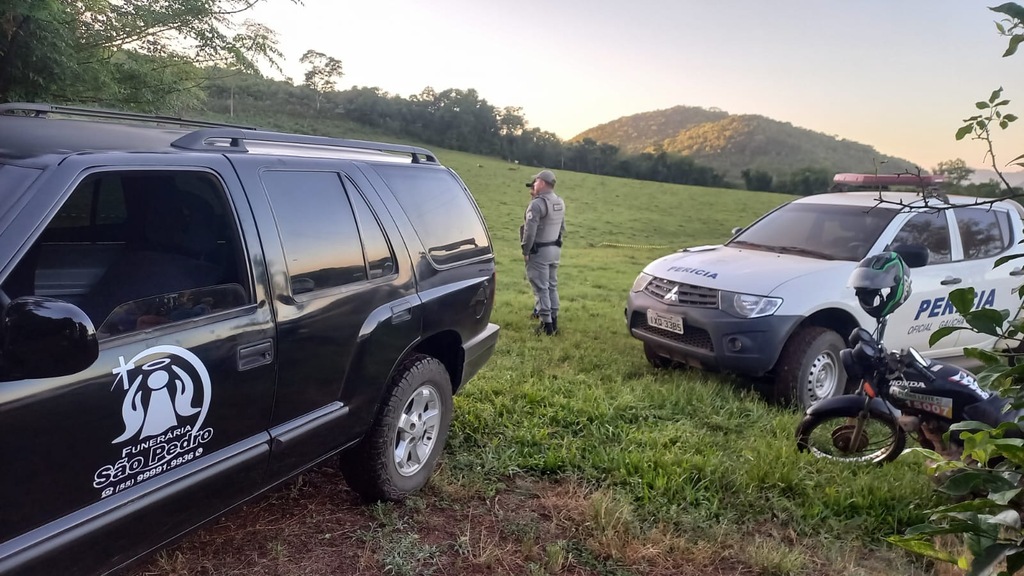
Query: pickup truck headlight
[(748, 305), (641, 282)]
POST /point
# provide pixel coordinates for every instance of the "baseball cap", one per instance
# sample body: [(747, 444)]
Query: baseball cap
[(545, 175)]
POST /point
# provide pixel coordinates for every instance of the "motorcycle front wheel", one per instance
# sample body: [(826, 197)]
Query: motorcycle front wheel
[(833, 434)]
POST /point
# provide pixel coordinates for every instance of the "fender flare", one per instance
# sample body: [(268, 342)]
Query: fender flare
[(848, 404)]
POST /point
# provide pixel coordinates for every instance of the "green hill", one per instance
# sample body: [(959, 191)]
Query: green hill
[(731, 143)]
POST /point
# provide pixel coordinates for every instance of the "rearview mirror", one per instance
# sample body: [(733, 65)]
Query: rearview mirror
[(45, 338)]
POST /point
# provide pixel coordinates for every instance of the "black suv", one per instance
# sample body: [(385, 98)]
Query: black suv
[(193, 312)]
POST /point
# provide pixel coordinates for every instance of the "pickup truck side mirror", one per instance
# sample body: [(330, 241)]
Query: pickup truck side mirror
[(915, 255), (44, 338)]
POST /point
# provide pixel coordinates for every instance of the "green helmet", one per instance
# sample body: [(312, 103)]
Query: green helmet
[(882, 283)]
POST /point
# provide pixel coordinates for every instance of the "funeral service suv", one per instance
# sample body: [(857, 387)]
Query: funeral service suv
[(192, 313)]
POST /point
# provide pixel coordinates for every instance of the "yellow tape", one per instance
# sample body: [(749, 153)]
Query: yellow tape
[(629, 245)]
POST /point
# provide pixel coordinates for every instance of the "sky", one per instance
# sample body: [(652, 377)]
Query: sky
[(898, 75)]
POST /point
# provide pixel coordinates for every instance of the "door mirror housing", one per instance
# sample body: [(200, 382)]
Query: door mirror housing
[(45, 338), (915, 255), (737, 230)]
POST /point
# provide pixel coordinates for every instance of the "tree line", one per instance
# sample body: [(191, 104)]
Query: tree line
[(180, 57)]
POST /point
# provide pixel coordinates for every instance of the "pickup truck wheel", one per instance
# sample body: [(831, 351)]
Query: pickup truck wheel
[(809, 368), (656, 360), (399, 453)]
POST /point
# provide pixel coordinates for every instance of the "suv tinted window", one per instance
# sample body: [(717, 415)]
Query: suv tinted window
[(984, 232), (14, 180), (930, 231), (441, 211), (138, 249), (319, 234), (379, 258), (831, 230)]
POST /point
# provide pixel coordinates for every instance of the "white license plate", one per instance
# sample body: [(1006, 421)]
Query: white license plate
[(669, 322)]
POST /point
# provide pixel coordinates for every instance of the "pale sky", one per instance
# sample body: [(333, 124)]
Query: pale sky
[(898, 75)]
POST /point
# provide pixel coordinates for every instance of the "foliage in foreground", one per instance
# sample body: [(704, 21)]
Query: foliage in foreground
[(984, 488)]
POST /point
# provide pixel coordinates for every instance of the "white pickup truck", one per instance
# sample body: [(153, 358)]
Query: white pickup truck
[(773, 300)]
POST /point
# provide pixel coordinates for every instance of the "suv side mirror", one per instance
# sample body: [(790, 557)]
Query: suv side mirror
[(44, 338)]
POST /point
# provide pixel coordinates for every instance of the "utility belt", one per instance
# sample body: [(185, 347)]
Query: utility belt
[(538, 245)]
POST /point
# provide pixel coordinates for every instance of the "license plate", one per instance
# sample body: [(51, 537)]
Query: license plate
[(669, 322)]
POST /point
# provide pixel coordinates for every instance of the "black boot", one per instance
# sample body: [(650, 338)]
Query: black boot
[(554, 322), (546, 328)]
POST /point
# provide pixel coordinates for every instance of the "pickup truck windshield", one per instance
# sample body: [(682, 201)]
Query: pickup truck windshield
[(13, 181), (825, 231)]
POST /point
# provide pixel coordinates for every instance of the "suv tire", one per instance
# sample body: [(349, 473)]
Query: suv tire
[(809, 367), (418, 413)]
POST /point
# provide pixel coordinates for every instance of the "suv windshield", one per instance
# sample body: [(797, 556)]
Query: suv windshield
[(13, 181), (826, 231)]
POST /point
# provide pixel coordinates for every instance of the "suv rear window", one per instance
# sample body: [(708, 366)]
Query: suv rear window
[(442, 212)]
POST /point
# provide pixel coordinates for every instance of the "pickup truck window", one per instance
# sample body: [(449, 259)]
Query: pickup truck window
[(319, 234), (930, 230), (984, 231), (441, 212), (826, 231), (148, 238)]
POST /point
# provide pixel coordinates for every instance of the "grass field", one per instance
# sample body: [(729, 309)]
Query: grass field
[(698, 456), (611, 466)]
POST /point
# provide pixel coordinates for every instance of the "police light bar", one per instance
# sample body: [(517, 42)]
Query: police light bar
[(888, 180)]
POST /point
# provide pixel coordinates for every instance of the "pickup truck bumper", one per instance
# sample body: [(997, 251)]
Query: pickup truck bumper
[(477, 351), (711, 340)]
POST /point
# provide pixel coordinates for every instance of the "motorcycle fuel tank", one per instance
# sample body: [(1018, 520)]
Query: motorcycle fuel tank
[(940, 389)]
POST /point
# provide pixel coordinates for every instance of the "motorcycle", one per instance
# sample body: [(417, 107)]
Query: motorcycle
[(900, 393)]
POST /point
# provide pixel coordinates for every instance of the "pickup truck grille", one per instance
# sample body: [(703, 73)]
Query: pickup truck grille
[(685, 295)]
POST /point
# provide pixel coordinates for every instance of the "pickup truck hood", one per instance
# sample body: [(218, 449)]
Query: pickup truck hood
[(740, 269)]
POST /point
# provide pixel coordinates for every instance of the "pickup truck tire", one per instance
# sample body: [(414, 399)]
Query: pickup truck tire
[(398, 454), (809, 368)]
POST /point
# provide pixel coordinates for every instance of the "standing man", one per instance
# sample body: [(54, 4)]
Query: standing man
[(543, 226)]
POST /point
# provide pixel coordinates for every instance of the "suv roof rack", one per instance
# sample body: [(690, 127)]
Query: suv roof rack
[(233, 140), (218, 136), (43, 110)]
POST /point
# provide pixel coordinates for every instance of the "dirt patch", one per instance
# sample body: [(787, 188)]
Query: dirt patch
[(316, 526)]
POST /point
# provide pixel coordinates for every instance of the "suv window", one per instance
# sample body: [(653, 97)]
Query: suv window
[(835, 231), (138, 249), (379, 256), (13, 181), (441, 211), (984, 232), (319, 234), (930, 230)]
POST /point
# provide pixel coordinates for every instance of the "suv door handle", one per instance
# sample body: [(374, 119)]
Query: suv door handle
[(401, 312), (1017, 271), (255, 355), (949, 280)]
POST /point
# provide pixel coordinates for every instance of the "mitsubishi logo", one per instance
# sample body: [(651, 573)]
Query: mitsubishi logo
[(673, 295)]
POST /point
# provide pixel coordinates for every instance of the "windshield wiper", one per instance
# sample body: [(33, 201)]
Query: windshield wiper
[(748, 243), (804, 251)]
